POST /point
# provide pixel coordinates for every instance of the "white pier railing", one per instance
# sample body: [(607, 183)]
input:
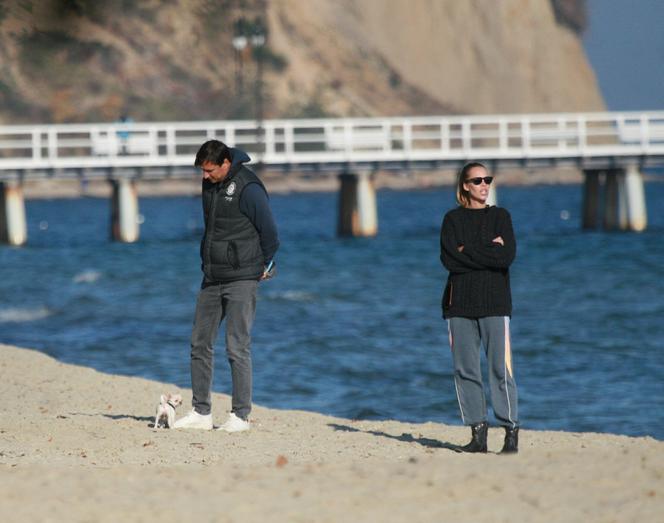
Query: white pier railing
[(611, 148), (320, 143)]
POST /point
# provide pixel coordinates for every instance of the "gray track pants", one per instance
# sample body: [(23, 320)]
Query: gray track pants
[(235, 301), (466, 337)]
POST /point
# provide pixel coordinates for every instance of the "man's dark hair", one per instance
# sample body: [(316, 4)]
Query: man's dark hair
[(212, 151)]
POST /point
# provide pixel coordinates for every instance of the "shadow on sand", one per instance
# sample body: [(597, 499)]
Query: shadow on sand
[(406, 438), (111, 416)]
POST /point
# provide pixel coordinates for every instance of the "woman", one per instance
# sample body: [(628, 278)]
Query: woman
[(477, 247)]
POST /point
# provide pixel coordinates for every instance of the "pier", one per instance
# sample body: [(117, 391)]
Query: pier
[(611, 149)]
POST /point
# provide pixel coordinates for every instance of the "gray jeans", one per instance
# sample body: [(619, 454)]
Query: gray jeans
[(466, 337), (236, 302)]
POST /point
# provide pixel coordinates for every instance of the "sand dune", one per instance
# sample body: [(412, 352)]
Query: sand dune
[(78, 445)]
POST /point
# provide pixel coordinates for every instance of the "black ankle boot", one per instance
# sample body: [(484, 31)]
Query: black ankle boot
[(478, 443), (511, 445)]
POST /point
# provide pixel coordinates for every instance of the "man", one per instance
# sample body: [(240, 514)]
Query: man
[(238, 246)]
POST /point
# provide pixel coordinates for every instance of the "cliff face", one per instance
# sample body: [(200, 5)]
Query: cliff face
[(398, 57), (80, 60)]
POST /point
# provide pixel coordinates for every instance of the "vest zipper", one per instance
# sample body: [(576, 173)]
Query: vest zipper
[(208, 232)]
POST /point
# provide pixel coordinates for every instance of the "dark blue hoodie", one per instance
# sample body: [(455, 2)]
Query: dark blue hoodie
[(240, 233)]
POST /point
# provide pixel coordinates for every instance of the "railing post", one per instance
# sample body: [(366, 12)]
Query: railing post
[(153, 135), (407, 136), (582, 132), (52, 144), (645, 135), (503, 139), (289, 141), (387, 133), (13, 227), (465, 137), (562, 134), (171, 144), (445, 135), (229, 139), (348, 139), (525, 136), (269, 140), (36, 145)]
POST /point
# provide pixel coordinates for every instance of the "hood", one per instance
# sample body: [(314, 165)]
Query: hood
[(238, 157)]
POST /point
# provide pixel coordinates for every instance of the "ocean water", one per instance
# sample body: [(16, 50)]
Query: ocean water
[(353, 327)]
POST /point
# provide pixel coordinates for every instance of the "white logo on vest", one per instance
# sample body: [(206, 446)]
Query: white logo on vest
[(230, 190)]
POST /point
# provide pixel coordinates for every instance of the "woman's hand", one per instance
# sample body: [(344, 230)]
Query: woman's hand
[(460, 248), (499, 239)]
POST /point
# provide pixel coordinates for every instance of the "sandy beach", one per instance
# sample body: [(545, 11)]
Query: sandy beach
[(79, 445)]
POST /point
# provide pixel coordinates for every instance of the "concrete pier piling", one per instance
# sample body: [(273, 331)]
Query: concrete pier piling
[(617, 196), (357, 205), (591, 195), (623, 206), (13, 225), (611, 201), (124, 211), (635, 198)]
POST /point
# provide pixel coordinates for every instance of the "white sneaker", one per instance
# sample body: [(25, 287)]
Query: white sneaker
[(194, 420), (235, 424)]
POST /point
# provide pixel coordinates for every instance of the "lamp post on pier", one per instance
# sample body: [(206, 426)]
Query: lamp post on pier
[(252, 36), (257, 40)]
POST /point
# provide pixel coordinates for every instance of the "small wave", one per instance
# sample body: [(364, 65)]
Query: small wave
[(16, 315), (87, 276), (293, 296)]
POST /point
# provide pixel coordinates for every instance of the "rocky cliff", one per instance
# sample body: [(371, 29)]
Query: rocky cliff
[(83, 60)]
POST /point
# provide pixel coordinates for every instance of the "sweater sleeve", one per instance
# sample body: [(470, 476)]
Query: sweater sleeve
[(453, 260), (255, 205), (494, 255)]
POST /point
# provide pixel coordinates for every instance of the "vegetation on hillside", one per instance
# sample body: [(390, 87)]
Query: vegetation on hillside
[(156, 60)]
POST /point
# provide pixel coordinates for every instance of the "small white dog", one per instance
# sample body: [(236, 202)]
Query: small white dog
[(166, 410)]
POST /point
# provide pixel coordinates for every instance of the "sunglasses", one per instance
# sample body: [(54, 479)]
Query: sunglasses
[(479, 180)]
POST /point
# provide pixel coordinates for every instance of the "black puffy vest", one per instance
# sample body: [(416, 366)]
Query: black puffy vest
[(230, 249)]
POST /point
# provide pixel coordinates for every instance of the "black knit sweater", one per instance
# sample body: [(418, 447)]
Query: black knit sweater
[(479, 283)]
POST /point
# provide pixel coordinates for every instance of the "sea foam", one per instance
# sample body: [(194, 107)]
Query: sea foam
[(18, 315)]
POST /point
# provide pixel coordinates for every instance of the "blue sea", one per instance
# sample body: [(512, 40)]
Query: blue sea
[(353, 327)]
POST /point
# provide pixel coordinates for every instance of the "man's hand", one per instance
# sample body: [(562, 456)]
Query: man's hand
[(499, 239), (460, 248), (268, 272)]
